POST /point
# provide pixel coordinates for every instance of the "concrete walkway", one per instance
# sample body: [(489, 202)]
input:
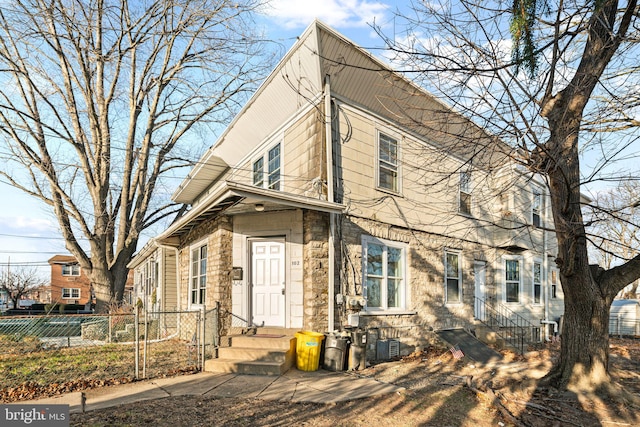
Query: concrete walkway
[(295, 386)]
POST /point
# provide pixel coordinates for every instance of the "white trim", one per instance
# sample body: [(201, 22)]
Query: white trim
[(503, 281), (538, 261), (404, 294), (458, 253), (197, 245), (398, 166), (71, 293)]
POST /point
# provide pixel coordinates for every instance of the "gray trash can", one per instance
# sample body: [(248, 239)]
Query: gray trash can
[(335, 352), (358, 350)]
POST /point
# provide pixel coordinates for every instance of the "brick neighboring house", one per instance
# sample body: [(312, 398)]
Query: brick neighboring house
[(69, 284), (343, 194)]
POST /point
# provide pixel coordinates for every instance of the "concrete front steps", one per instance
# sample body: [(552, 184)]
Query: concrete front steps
[(270, 351)]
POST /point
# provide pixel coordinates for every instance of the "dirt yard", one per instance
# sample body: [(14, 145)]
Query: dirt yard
[(440, 391)]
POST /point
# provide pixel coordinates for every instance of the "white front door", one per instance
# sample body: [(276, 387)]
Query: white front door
[(479, 271), (267, 282)]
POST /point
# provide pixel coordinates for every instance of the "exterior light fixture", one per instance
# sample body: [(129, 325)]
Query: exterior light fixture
[(259, 207)]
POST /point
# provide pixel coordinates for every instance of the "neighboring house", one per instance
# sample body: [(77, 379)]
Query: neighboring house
[(69, 284), (155, 280), (344, 194)]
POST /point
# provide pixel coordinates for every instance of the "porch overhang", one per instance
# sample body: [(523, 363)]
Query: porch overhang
[(235, 198)]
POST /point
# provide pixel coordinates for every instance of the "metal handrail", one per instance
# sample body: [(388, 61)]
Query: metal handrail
[(517, 331)]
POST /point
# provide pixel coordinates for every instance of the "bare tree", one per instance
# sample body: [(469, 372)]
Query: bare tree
[(614, 217), (553, 80), (100, 100), (20, 281)]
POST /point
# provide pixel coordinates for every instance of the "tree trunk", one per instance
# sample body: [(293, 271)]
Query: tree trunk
[(584, 356)]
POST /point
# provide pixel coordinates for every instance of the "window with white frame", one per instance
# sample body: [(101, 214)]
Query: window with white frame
[(150, 276), (512, 279), (453, 278), (384, 274), (537, 283), (271, 177), (71, 269), (198, 275), (258, 172), (464, 205), (70, 293), (388, 163), (536, 208), (554, 283)]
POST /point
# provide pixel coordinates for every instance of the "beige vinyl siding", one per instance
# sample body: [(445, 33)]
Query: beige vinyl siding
[(170, 291)]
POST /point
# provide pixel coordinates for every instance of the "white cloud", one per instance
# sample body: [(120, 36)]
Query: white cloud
[(27, 225), (343, 14)]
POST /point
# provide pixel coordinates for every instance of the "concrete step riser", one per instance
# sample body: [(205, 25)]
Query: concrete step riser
[(246, 368), (248, 341), (252, 354)]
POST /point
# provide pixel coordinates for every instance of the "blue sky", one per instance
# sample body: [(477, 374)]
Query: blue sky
[(28, 229)]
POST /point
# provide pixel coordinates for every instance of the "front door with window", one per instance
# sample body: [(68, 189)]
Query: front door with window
[(479, 271), (268, 282)]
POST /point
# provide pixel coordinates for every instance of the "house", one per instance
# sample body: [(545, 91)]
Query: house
[(344, 195), (69, 284), (154, 278)]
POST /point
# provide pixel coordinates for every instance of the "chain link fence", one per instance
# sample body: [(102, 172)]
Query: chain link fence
[(43, 355)]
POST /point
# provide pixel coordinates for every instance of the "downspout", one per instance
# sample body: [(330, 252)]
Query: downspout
[(545, 270), (330, 198)]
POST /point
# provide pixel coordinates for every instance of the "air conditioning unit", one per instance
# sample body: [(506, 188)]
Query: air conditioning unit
[(387, 349)]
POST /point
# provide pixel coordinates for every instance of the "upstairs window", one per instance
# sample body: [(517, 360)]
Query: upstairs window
[(464, 206), (384, 274), (387, 163), (198, 277), (274, 168), (258, 172), (71, 270), (269, 178), (536, 207)]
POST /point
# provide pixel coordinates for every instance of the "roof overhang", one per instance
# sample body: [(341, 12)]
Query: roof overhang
[(236, 198)]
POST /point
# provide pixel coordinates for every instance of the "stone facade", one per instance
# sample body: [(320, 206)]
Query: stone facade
[(217, 234), (425, 309), (316, 270)]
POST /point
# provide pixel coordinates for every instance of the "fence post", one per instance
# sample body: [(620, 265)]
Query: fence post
[(144, 351), (137, 343), (203, 338)]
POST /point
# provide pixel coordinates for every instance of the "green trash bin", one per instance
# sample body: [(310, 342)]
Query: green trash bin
[(308, 345)]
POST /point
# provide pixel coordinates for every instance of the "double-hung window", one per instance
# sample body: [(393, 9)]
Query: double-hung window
[(554, 283), (70, 293), (453, 278), (384, 274), (512, 280), (537, 283), (198, 275), (271, 177), (71, 270), (464, 205), (388, 163), (536, 208), (258, 172)]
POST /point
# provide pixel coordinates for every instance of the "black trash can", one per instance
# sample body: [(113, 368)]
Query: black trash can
[(335, 352), (358, 350)]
